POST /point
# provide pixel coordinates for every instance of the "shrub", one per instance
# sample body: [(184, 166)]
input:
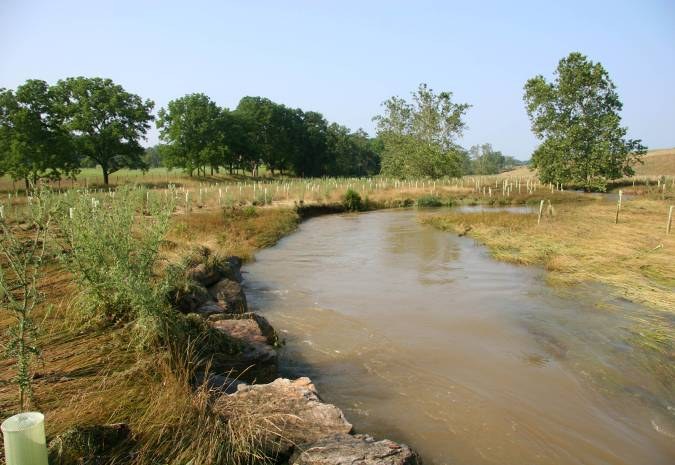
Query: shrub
[(352, 201), (428, 201), (112, 246)]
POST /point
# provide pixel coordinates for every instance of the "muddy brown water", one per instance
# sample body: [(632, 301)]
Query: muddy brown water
[(419, 336)]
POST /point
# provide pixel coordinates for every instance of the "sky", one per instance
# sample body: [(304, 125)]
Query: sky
[(344, 58)]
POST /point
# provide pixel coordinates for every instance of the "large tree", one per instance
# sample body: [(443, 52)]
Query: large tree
[(577, 118), (33, 142), (107, 122), (193, 129), (419, 137)]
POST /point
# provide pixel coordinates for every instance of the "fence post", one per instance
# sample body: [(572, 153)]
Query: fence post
[(541, 209), (618, 207), (669, 224)]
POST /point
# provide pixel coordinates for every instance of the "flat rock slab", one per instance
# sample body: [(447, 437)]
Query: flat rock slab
[(344, 449), (296, 411)]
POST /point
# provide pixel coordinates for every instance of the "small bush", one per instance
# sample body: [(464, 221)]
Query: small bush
[(352, 201), (429, 201), (112, 246)]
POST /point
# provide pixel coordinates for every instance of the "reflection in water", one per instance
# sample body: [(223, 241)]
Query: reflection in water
[(419, 336)]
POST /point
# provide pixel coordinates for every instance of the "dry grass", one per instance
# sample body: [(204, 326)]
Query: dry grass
[(231, 231), (94, 375), (582, 243), (657, 163)]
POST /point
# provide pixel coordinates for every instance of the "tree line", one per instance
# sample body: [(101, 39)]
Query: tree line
[(50, 131), (197, 135)]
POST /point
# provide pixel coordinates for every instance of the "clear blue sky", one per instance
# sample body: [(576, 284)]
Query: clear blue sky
[(343, 58)]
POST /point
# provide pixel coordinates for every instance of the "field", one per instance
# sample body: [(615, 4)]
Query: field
[(657, 163), (90, 372)]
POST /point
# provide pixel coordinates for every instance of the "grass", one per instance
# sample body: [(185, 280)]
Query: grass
[(582, 243), (92, 374), (657, 163)]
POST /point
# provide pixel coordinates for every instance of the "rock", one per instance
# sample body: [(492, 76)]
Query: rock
[(204, 275), (207, 269), (257, 360), (247, 327), (88, 444), (233, 268), (344, 449), (218, 383), (295, 411), (190, 299), (231, 294), (210, 308)]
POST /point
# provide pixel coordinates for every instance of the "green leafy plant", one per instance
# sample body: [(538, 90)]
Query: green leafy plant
[(23, 249), (428, 201), (112, 245), (352, 201)]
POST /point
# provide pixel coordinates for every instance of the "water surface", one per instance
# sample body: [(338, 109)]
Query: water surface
[(419, 336)]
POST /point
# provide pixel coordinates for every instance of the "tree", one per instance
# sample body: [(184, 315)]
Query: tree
[(350, 153), (486, 160), (192, 127), (152, 157), (106, 121), (577, 117), (33, 142), (419, 137), (311, 154)]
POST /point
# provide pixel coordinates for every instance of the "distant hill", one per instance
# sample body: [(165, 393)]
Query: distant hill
[(657, 162)]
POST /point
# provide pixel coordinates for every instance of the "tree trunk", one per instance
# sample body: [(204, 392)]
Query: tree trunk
[(27, 184), (105, 175)]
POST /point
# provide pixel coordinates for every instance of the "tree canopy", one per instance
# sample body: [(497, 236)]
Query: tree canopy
[(419, 137), (33, 142), (107, 123), (193, 129), (577, 118)]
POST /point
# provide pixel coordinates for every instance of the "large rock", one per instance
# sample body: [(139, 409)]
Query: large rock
[(293, 411), (190, 298), (213, 269), (210, 308), (247, 327), (344, 449), (230, 293), (257, 361)]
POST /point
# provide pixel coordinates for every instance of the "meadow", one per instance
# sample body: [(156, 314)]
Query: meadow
[(100, 367)]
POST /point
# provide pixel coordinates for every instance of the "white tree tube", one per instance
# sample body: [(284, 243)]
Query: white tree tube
[(24, 436)]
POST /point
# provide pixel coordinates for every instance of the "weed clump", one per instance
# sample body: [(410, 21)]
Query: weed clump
[(352, 201), (112, 245), (429, 201)]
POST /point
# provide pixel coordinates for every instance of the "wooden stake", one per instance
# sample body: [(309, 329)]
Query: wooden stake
[(618, 207), (670, 219), (541, 209)]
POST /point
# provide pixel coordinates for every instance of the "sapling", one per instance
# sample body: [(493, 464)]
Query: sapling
[(22, 250)]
